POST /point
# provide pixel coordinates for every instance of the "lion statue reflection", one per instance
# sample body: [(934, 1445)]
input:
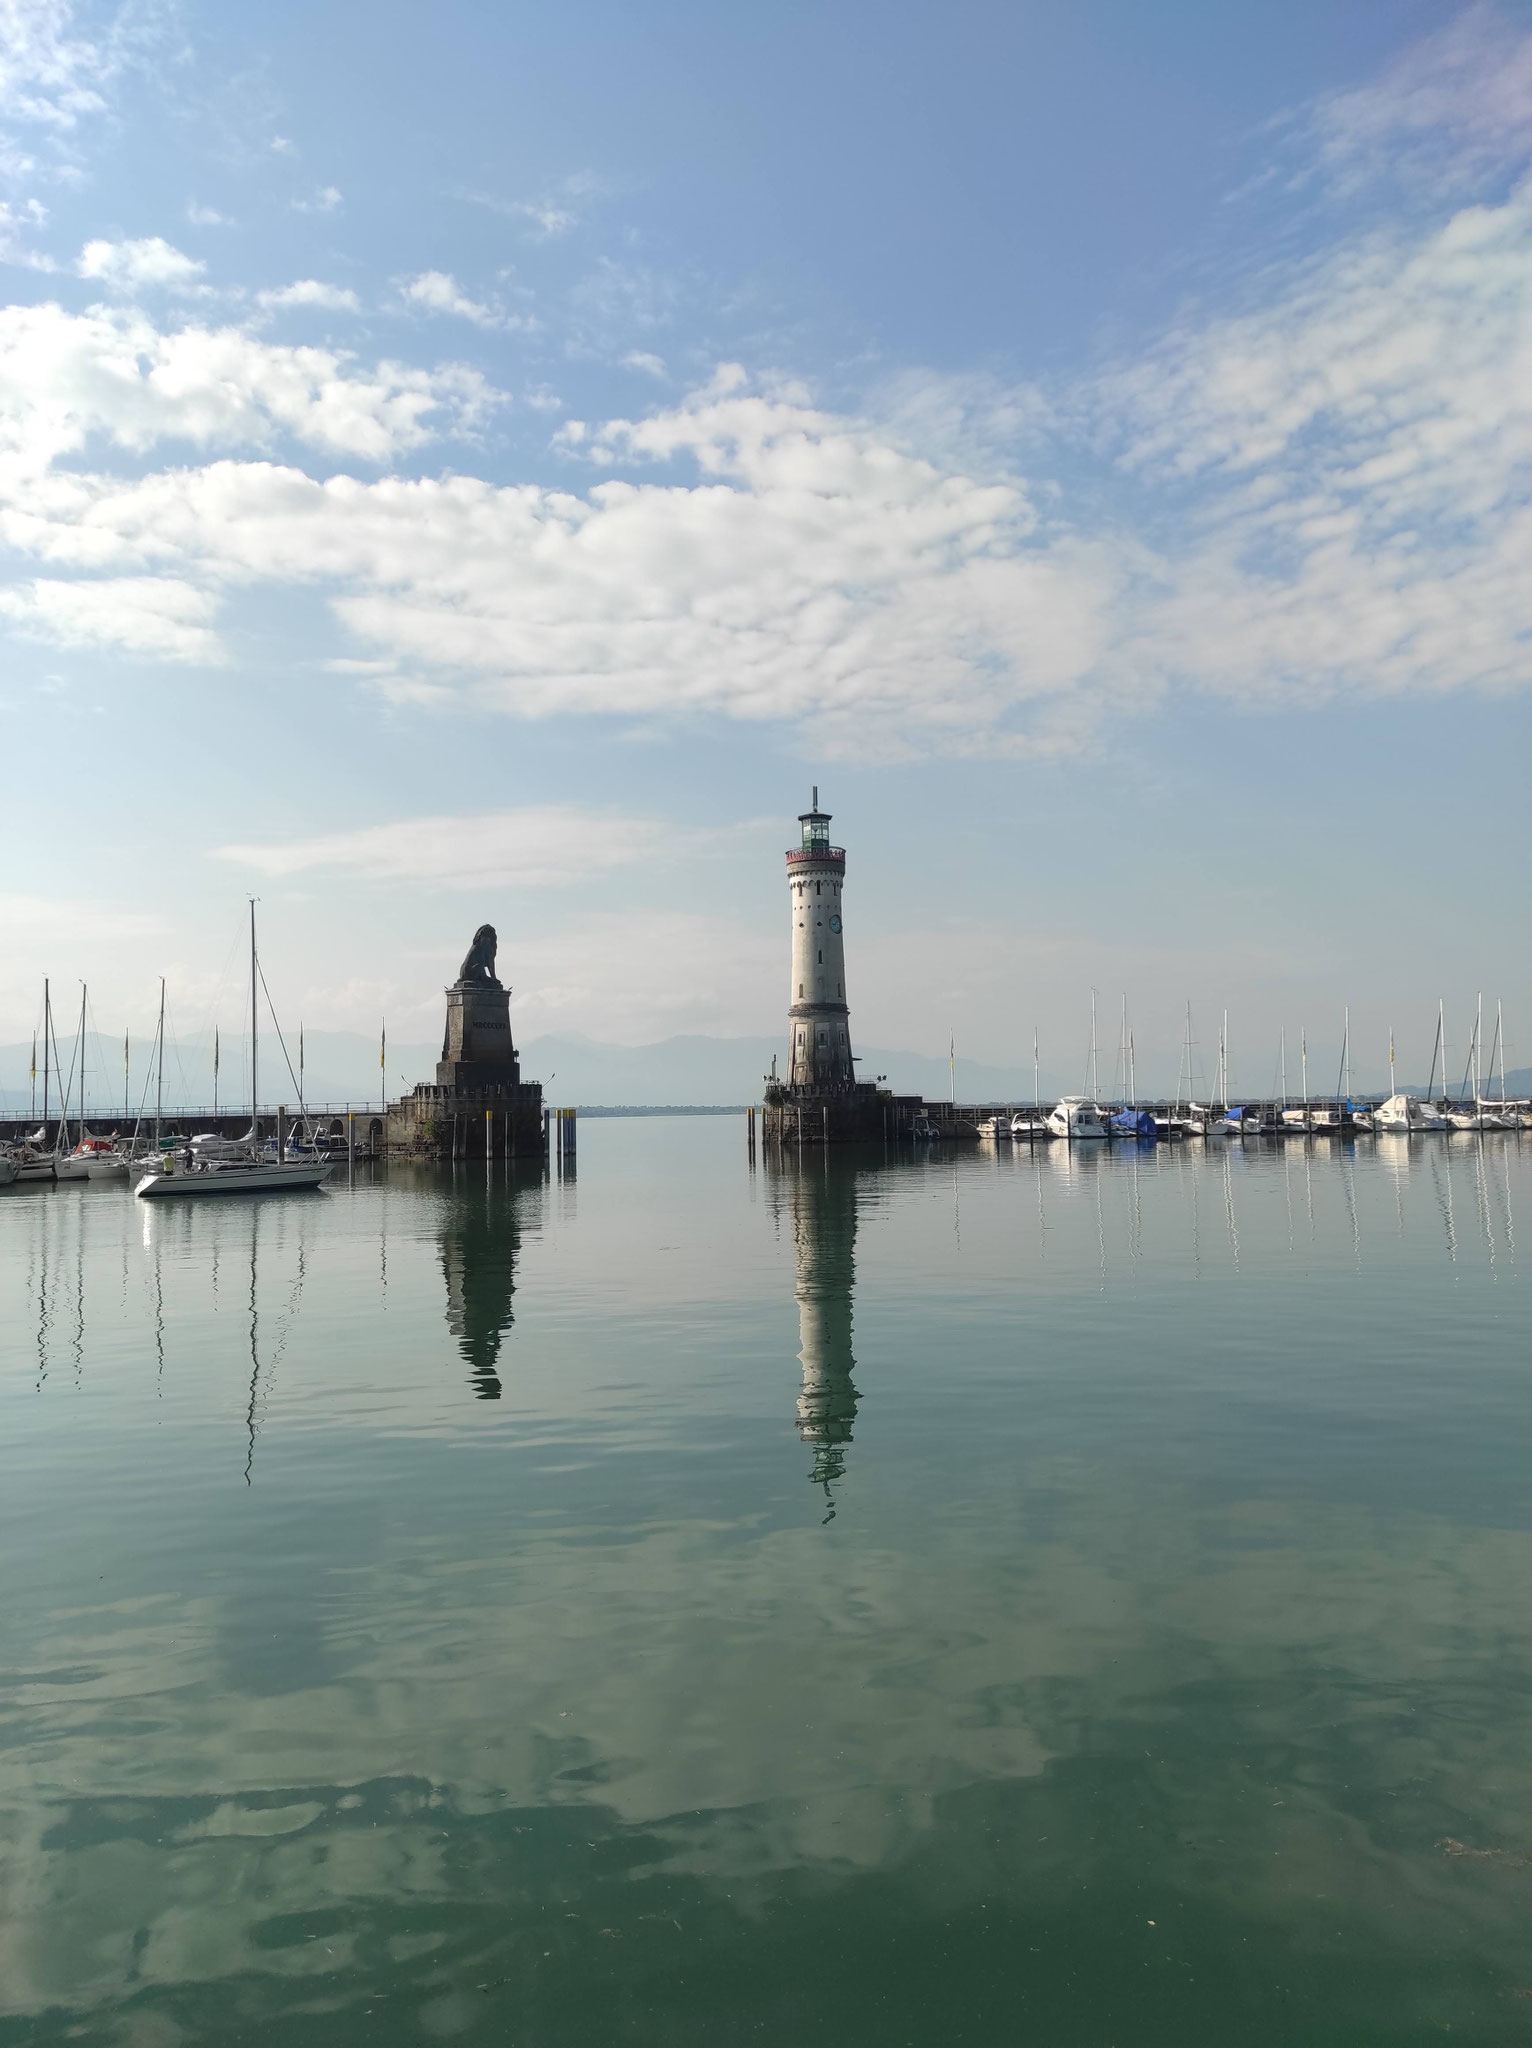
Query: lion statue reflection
[(479, 961)]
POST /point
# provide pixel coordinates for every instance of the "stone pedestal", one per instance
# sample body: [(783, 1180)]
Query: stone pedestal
[(477, 1050), (479, 1107)]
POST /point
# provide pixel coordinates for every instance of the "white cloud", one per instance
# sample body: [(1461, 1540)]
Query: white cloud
[(127, 266), (48, 76), (309, 291), (534, 847), (1358, 450), (639, 359), (1325, 491), (15, 223), (205, 216), (324, 199), (67, 377), (438, 291), (147, 615), (1450, 106)]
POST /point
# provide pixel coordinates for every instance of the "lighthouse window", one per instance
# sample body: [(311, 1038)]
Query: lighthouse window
[(821, 959), (800, 988)]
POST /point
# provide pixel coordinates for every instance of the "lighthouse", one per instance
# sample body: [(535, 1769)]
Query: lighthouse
[(819, 1020)]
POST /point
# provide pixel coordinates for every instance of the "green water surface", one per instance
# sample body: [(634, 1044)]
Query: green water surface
[(1062, 1599)]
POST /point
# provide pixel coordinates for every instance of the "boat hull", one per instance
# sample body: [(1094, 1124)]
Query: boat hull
[(274, 1178)]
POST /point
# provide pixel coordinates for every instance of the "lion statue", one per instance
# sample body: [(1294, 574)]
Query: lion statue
[(479, 962)]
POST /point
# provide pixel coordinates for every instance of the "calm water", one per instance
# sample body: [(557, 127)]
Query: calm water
[(1070, 1599)]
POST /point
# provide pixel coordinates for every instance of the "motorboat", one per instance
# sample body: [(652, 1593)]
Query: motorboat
[(7, 1169), (1404, 1114), (1029, 1125), (924, 1131), (995, 1127), (1073, 1117)]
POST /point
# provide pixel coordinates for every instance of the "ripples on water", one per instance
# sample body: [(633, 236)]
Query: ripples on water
[(1079, 1597)]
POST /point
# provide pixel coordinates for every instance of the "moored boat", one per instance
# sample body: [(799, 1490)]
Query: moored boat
[(195, 1170), (1073, 1117)]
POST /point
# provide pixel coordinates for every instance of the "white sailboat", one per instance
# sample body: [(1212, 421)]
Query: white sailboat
[(1402, 1114), (1462, 1118), (194, 1173)]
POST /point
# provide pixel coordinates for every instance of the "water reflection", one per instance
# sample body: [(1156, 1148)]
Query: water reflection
[(480, 1243), (821, 1201)]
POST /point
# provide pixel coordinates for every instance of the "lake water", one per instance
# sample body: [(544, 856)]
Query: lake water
[(1066, 1598)]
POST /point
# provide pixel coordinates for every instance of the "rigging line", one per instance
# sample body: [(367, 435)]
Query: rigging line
[(271, 1006), (175, 1048)]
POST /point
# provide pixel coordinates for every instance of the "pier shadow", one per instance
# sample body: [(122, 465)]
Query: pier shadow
[(480, 1244)]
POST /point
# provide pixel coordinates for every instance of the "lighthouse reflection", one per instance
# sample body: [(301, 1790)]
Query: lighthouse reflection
[(480, 1244), (821, 1200)]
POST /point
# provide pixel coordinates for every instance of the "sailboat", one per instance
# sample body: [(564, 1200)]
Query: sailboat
[(33, 1157), (1402, 1114), (91, 1158), (192, 1173), (1462, 1118), (1297, 1123), (1030, 1124)]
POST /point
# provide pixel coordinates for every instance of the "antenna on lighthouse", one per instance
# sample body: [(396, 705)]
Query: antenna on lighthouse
[(816, 796)]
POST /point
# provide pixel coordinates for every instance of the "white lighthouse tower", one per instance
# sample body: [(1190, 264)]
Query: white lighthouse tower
[(819, 1021)]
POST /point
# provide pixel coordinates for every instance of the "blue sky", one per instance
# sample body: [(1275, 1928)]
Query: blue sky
[(485, 462)]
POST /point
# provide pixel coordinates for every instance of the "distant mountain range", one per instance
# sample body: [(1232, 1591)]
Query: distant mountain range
[(342, 1066)]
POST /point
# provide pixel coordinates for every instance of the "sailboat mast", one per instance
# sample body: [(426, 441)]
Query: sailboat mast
[(47, 1037), (1036, 1097), (1132, 1075), (254, 1070), (1095, 1077), (1284, 1066), (1303, 1041), (1478, 1041), (159, 1067), (82, 1062), (1391, 1088), (1500, 1041)]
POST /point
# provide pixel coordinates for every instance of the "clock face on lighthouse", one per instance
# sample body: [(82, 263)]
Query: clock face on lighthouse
[(835, 920)]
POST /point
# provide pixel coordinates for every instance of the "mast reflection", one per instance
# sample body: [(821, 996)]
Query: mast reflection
[(480, 1243)]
